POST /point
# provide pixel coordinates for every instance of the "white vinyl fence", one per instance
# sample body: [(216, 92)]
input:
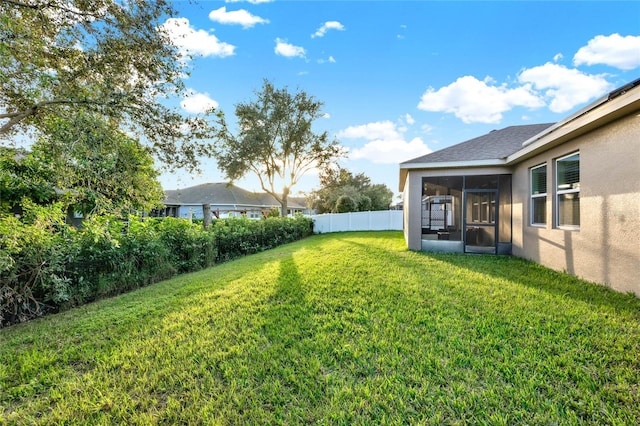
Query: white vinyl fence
[(358, 221)]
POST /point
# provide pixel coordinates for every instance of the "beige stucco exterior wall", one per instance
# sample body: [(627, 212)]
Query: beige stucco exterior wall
[(412, 202), (606, 248)]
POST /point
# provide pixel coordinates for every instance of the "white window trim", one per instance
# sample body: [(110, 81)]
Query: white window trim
[(533, 196), (558, 192)]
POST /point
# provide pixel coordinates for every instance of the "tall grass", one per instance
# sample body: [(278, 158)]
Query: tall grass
[(336, 329)]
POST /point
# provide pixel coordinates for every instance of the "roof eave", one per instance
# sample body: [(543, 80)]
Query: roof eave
[(469, 164), (597, 114), (454, 164)]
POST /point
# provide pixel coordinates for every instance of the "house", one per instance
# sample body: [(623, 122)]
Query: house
[(225, 200), (565, 195)]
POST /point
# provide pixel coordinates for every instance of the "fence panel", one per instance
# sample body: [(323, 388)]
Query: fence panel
[(358, 221)]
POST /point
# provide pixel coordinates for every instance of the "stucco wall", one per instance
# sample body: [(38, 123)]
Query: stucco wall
[(606, 248), (412, 205)]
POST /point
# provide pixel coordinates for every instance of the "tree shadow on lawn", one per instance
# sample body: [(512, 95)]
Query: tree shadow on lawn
[(520, 272), (286, 364), (527, 273), (288, 318)]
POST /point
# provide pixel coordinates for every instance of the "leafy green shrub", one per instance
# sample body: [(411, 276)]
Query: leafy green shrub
[(32, 264), (46, 266), (235, 237), (96, 255), (143, 258), (191, 248), (274, 212)]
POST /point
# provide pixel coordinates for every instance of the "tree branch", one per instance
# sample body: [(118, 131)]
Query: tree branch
[(49, 5), (17, 116)]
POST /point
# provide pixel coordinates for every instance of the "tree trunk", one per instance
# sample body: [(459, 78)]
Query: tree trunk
[(283, 203), (206, 214)]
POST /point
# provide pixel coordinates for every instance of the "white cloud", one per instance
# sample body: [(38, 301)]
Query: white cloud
[(377, 130), (289, 50), (329, 25), (401, 36), (558, 57), (386, 145), (192, 41), (564, 87), (409, 119), (326, 115), (198, 102), (475, 101), (236, 17), (330, 60), (614, 50)]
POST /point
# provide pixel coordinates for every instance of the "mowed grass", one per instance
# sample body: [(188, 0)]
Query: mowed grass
[(336, 329)]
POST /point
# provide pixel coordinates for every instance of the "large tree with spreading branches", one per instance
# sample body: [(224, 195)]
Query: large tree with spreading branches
[(107, 58), (275, 141)]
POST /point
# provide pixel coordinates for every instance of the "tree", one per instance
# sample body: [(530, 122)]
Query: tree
[(86, 163), (23, 176), (275, 141), (108, 58), (380, 195), (338, 183), (345, 204), (102, 169)]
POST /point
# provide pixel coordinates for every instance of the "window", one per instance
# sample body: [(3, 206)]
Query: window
[(568, 191), (538, 209)]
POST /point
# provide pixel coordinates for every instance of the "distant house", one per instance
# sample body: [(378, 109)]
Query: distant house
[(565, 195), (225, 200)]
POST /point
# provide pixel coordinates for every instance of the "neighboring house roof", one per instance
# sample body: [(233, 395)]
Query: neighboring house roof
[(297, 202), (224, 194), (497, 144)]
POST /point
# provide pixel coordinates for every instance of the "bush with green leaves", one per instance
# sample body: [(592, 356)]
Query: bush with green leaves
[(190, 247), (47, 265), (33, 258)]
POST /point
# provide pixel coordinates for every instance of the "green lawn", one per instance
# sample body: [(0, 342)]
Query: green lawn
[(336, 329)]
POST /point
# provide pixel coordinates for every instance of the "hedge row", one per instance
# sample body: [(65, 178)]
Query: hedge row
[(47, 266)]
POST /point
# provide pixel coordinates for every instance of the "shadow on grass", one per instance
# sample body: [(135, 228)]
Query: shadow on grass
[(287, 363), (532, 275), (288, 318), (520, 272)]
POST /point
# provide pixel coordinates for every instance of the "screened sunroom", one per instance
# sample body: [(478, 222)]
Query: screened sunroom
[(470, 214), (464, 194)]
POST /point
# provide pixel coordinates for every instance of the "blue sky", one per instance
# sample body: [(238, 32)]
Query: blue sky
[(400, 79)]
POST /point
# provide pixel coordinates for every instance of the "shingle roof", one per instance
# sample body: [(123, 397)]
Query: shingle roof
[(496, 144), (221, 193)]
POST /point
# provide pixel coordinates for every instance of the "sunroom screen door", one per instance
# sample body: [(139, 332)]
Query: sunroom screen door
[(480, 221)]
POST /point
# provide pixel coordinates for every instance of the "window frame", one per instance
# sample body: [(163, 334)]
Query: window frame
[(559, 192), (533, 196)]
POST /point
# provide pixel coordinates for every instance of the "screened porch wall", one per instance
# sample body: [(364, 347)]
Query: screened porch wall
[(442, 218)]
